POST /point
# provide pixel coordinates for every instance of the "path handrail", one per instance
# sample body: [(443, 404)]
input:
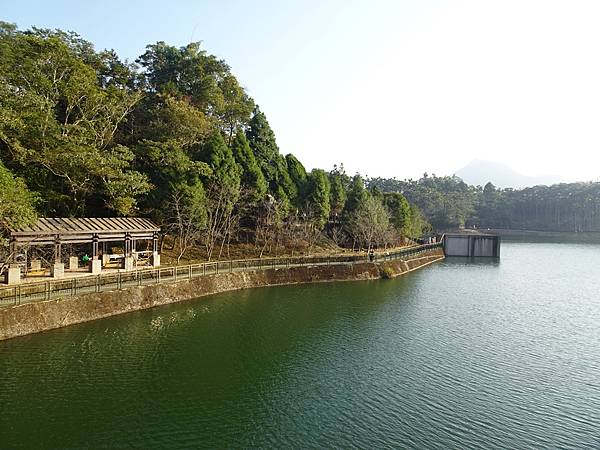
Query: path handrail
[(50, 289)]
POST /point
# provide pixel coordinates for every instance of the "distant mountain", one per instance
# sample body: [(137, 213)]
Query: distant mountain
[(479, 172)]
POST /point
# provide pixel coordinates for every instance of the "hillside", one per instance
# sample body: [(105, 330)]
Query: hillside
[(479, 172)]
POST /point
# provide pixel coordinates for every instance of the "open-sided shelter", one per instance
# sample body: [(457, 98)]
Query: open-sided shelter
[(95, 231)]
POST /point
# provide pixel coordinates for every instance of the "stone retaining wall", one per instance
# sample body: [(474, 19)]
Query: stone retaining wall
[(46, 315)]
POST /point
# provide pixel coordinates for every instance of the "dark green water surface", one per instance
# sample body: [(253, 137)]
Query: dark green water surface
[(462, 354)]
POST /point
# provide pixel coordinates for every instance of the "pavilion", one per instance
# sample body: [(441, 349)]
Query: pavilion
[(96, 232)]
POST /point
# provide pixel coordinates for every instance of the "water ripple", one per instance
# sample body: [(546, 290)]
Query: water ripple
[(458, 355)]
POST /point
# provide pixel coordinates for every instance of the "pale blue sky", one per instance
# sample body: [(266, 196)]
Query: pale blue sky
[(391, 88)]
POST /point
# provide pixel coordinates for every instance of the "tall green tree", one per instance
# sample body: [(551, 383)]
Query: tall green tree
[(337, 193), (252, 178), (169, 150), (369, 223), (235, 107), (273, 165), (317, 197), (356, 194), (190, 73), (185, 72), (418, 225), (223, 192), (58, 124), (17, 202), (298, 176), (188, 219), (399, 208)]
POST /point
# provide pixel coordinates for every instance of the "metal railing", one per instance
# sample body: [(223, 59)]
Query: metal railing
[(52, 289)]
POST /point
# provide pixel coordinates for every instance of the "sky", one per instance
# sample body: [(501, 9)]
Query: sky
[(387, 87)]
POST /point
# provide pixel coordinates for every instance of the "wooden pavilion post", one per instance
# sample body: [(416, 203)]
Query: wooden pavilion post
[(95, 263), (155, 254), (105, 255), (57, 249), (95, 246), (127, 256), (13, 274), (57, 270), (13, 251)]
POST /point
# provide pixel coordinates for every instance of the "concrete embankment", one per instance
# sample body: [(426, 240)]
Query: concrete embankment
[(46, 315)]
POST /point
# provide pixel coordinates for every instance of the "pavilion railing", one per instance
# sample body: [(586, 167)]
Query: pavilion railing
[(59, 288)]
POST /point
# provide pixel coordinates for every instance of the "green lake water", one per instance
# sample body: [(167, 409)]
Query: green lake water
[(461, 354)]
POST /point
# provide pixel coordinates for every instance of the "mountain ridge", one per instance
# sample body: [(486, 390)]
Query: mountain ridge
[(479, 172)]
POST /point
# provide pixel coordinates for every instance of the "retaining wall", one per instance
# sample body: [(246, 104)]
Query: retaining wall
[(46, 315)]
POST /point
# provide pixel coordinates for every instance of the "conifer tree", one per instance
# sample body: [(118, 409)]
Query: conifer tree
[(356, 194), (272, 163), (252, 178), (399, 210), (222, 192), (337, 194), (298, 175), (317, 196)]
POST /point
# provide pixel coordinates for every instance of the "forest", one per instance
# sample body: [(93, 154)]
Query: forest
[(172, 137), (448, 203)]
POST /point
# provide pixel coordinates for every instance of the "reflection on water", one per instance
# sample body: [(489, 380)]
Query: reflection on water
[(473, 261), (467, 353), (551, 237)]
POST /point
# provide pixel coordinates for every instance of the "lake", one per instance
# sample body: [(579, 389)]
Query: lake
[(461, 354)]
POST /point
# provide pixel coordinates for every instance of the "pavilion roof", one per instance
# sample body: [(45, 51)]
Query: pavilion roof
[(84, 228)]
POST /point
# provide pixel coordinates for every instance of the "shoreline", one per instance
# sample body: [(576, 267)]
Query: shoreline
[(36, 317), (548, 236), (541, 233)]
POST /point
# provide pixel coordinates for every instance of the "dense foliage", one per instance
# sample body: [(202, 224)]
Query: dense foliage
[(174, 138), (16, 201), (449, 203)]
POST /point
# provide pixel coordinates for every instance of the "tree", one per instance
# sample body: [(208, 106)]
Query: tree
[(223, 192), (447, 202), (263, 144), (188, 221), (399, 208), (235, 107), (17, 202), (206, 82), (298, 175), (252, 178), (185, 72), (317, 197), (269, 224), (58, 124), (172, 172), (168, 147), (418, 225), (337, 193), (177, 139), (370, 222), (356, 194), (272, 163), (166, 118)]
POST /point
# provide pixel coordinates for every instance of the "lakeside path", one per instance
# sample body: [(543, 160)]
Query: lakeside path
[(44, 306), (78, 282)]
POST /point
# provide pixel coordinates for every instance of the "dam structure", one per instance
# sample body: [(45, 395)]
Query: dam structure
[(471, 245)]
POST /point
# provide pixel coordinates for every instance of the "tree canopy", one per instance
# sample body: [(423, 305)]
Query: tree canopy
[(174, 137), (17, 203), (449, 203)]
